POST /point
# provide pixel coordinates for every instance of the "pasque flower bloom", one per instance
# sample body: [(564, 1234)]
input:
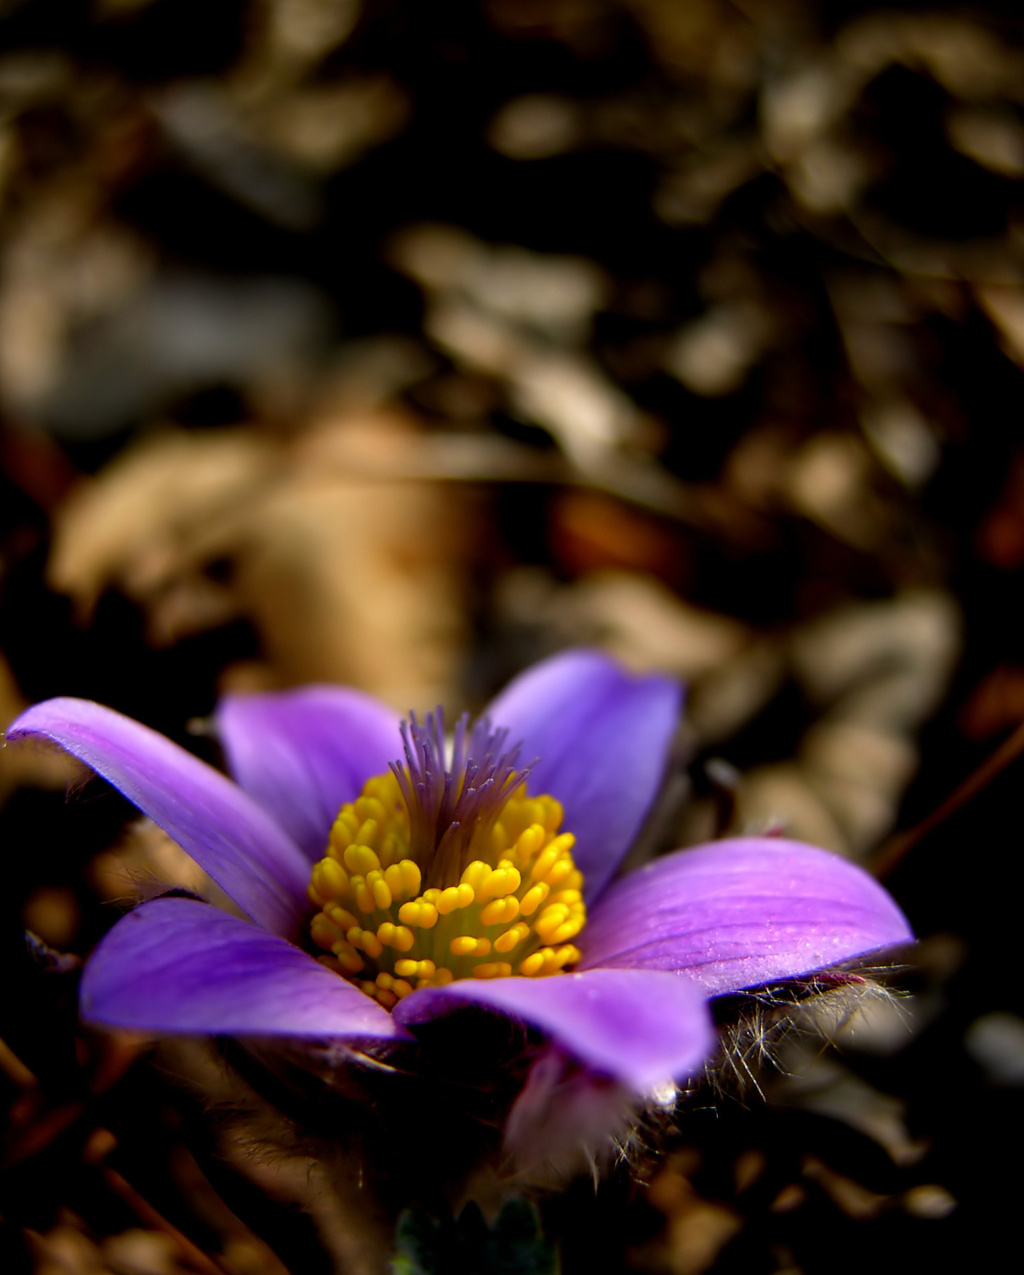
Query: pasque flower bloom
[(445, 884)]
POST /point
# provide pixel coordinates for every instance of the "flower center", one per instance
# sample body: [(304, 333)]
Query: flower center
[(437, 873)]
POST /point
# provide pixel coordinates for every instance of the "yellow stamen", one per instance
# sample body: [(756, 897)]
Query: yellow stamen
[(366, 941), (533, 898), (500, 911), (511, 938), (324, 932), (420, 913), (364, 899), (341, 917), (348, 958), (400, 937), (378, 887), (495, 969), (360, 858), (467, 945), (456, 896), (329, 880), (511, 904)]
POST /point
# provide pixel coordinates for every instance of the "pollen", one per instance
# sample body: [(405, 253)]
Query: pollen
[(441, 872)]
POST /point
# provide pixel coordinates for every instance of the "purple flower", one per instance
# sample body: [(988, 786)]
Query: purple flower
[(493, 907)]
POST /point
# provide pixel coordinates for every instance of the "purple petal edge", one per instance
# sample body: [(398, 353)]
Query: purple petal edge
[(211, 818), (742, 913), (302, 753), (602, 736), (642, 1027), (180, 966)]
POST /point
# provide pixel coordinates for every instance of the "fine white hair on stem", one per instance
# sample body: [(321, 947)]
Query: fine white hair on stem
[(752, 1037)]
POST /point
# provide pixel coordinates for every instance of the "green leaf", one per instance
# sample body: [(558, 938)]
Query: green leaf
[(514, 1245)]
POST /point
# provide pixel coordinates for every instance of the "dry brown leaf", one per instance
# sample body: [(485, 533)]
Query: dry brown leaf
[(130, 526), (346, 577), (28, 763), (1005, 307)]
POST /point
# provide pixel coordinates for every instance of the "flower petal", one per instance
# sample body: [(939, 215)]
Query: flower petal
[(176, 965), (303, 753), (567, 1119), (602, 736), (741, 913), (642, 1027), (211, 818)]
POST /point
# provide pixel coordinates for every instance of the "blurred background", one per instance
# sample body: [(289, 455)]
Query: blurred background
[(401, 345)]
